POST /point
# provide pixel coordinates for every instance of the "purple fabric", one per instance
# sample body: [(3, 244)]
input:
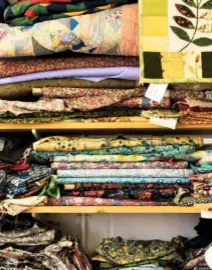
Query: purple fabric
[(92, 74)]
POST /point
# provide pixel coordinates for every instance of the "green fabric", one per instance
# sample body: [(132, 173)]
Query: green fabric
[(51, 189)]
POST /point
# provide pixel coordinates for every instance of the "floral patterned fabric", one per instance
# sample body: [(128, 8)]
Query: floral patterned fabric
[(113, 32), (196, 118), (59, 143), (120, 186), (117, 158), (125, 173), (176, 149), (147, 180), (122, 165), (60, 92), (89, 201), (144, 103), (11, 67)]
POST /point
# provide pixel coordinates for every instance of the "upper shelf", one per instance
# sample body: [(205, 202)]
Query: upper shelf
[(99, 126), (120, 209)]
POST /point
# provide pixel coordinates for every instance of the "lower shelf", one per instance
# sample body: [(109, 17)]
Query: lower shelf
[(120, 209)]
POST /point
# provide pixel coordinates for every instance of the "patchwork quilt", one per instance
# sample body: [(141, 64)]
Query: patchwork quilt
[(113, 32), (176, 41)]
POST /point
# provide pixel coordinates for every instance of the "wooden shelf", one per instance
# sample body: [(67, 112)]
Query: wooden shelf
[(120, 209), (98, 126)]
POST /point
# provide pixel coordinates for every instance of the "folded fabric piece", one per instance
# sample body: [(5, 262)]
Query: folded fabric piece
[(23, 90), (143, 267), (200, 177), (191, 117), (19, 66), (59, 143), (152, 149), (122, 165), (87, 201), (115, 186), (198, 155), (60, 92), (141, 180), (19, 107), (117, 158), (144, 103), (201, 169), (125, 173), (30, 12), (163, 113), (193, 105), (16, 206), (116, 29), (92, 74), (181, 95), (120, 252), (134, 194), (206, 159)]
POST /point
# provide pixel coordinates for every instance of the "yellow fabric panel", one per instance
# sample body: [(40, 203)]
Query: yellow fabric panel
[(158, 8), (155, 26), (172, 65), (155, 44)]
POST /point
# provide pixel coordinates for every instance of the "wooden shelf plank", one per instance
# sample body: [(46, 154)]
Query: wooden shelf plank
[(120, 209), (99, 126)]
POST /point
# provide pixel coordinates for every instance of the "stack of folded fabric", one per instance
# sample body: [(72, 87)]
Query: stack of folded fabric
[(71, 84), (202, 176), (117, 253), (118, 171), (27, 244)]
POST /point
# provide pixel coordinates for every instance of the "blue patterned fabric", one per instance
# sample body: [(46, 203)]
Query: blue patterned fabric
[(70, 180)]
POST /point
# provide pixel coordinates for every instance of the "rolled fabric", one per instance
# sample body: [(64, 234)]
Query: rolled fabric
[(144, 180), (125, 173), (106, 32), (23, 90)]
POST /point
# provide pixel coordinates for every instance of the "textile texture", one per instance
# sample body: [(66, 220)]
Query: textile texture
[(11, 67), (179, 44), (113, 32), (31, 12)]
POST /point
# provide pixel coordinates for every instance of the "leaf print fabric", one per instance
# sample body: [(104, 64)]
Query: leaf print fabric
[(180, 45)]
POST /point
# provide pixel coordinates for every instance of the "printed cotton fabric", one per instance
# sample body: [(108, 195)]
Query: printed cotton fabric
[(122, 165), (113, 32), (179, 44), (31, 12), (89, 201), (23, 90), (125, 173), (11, 67), (147, 180), (59, 143)]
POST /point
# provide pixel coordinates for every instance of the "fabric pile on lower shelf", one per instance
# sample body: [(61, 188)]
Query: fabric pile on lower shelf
[(119, 171), (28, 244), (117, 253)]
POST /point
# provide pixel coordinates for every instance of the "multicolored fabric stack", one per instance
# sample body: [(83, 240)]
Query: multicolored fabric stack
[(28, 244), (119, 171), (202, 176)]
